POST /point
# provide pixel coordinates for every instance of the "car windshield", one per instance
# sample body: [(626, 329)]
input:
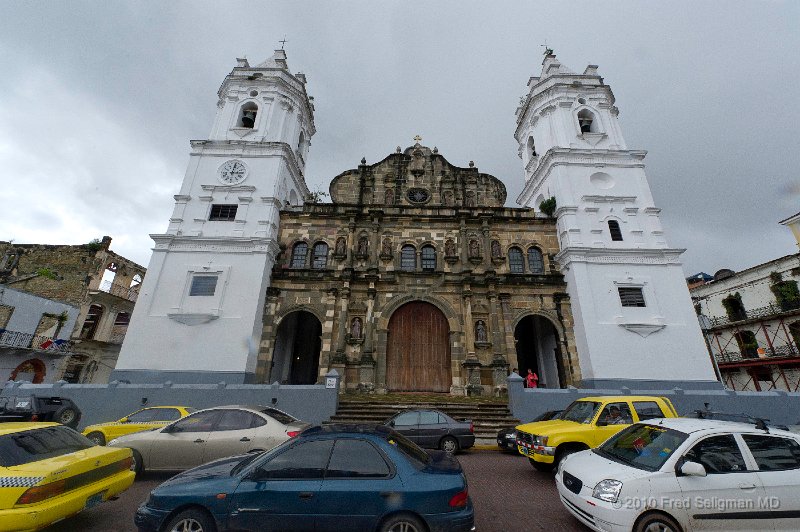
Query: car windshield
[(39, 444), (643, 446), (580, 411), (417, 456), (277, 415)]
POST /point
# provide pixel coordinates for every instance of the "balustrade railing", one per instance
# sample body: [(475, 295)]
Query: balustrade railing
[(120, 290), (762, 312), (33, 341), (784, 351)]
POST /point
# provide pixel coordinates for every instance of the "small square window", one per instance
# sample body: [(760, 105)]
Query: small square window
[(223, 213), (631, 297), (203, 285)]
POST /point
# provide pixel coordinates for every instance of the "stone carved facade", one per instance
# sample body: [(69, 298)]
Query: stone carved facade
[(449, 271)]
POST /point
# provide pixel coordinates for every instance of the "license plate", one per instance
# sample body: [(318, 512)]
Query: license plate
[(94, 500)]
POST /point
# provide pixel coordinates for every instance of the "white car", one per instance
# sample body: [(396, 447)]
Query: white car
[(209, 434), (680, 474)]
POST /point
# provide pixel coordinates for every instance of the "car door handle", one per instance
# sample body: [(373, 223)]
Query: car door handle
[(198, 440), (744, 486), (245, 439), (306, 495), (387, 494)]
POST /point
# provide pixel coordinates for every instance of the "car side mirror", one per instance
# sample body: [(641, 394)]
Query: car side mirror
[(693, 469), (123, 420), (169, 429)]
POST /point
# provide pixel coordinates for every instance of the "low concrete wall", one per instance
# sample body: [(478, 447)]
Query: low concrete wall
[(109, 402), (777, 406)]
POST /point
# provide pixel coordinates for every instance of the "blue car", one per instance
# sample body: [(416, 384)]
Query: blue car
[(328, 478)]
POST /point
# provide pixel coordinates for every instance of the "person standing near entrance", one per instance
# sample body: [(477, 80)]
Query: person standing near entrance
[(531, 379)]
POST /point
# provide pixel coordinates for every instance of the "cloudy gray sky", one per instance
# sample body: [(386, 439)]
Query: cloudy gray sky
[(98, 101)]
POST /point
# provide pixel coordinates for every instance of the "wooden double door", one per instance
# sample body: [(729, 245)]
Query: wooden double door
[(418, 350)]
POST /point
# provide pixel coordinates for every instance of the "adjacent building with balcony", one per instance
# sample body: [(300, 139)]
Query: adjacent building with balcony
[(64, 310), (751, 320)]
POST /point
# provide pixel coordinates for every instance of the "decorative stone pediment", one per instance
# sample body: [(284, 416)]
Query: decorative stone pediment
[(642, 329), (191, 318)]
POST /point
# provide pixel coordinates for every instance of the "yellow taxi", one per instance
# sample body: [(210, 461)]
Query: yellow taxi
[(49, 472), (153, 417)]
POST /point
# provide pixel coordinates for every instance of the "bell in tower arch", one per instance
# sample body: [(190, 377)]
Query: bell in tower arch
[(248, 116)]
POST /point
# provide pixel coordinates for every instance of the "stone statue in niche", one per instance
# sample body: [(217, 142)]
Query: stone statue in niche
[(388, 197), (363, 246), (341, 245), (495, 249), (355, 328), (447, 198), (474, 248), (470, 201), (449, 248), (386, 248), (480, 331)]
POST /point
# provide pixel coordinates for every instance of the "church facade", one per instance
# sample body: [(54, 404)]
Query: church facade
[(416, 277)]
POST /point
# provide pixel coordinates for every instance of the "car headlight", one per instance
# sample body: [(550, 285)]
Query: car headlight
[(607, 490), (540, 440)]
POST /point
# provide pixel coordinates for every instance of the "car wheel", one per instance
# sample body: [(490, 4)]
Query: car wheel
[(448, 444), (191, 520), (540, 466), (67, 415), (138, 465), (403, 523), (97, 438), (656, 522)]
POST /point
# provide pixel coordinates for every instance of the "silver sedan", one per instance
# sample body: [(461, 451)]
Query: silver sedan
[(210, 434)]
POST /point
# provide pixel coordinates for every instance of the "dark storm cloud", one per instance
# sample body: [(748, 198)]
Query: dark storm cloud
[(98, 102)]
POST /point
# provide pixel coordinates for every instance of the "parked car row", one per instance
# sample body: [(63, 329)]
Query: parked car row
[(629, 463)]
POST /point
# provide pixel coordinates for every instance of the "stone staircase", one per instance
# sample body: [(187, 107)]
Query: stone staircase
[(487, 416)]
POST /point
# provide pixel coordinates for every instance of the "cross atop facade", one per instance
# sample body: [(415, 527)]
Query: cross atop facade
[(283, 42), (417, 139)]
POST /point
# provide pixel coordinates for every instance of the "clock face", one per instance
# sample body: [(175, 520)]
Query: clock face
[(232, 172)]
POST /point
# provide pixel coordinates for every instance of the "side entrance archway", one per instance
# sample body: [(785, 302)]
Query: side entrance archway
[(295, 359), (418, 350), (32, 370), (538, 349)]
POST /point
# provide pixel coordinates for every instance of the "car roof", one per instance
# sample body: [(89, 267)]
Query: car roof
[(621, 398), (20, 426), (691, 425)]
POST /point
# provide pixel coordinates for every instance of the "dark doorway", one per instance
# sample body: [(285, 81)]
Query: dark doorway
[(295, 359), (538, 349), (418, 350)]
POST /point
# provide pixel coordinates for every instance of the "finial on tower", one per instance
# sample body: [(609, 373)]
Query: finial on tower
[(547, 49), (417, 139), (283, 42)]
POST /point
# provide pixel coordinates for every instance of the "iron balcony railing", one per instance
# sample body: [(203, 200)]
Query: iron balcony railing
[(33, 341), (120, 290), (732, 357), (770, 310)]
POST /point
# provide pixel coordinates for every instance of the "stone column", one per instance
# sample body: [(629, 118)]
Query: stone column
[(471, 364), (499, 362), (366, 370)]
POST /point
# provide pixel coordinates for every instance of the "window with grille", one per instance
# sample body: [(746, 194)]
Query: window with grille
[(616, 232), (299, 255), (428, 258), (515, 261), (408, 258), (535, 261), (223, 213), (631, 297), (203, 285), (319, 258)]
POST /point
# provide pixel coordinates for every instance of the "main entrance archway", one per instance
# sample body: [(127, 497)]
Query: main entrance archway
[(538, 349), (295, 359), (418, 350)]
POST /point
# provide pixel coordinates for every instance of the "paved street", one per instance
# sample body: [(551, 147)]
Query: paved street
[(508, 495)]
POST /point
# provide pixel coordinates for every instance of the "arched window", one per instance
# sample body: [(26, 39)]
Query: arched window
[(515, 261), (587, 121), (91, 322), (531, 148), (408, 258), (428, 258), (301, 141), (319, 258), (535, 260), (299, 253), (247, 115), (616, 232), (748, 345)]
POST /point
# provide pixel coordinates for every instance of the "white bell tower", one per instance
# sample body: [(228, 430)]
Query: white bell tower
[(198, 317), (634, 321)]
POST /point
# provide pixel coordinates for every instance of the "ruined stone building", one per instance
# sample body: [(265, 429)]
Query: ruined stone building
[(64, 310)]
